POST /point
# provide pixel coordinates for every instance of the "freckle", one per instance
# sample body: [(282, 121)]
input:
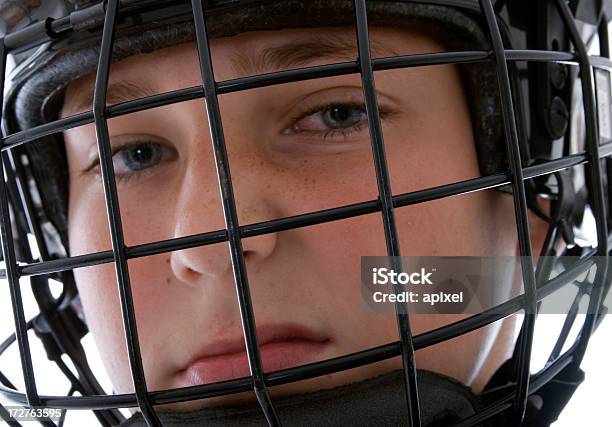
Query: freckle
[(167, 280), (167, 260)]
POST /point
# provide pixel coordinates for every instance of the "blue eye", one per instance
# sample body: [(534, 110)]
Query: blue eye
[(137, 157), (331, 119), (341, 116)]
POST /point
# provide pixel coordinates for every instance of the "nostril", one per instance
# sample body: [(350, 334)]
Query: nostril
[(259, 248), (249, 259), (201, 263), (184, 273), (248, 254)]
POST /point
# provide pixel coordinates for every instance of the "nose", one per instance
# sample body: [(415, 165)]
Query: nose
[(199, 210)]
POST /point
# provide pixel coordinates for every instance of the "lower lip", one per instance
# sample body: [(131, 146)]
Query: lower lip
[(274, 357)]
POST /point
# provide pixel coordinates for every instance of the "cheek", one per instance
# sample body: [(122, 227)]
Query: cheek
[(88, 232), (333, 253), (98, 290), (97, 285), (88, 229), (153, 291), (98, 294)]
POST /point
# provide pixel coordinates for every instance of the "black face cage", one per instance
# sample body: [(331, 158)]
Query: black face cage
[(60, 328)]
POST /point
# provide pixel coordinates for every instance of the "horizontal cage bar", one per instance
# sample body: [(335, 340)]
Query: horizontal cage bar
[(304, 220), (312, 370), (288, 76)]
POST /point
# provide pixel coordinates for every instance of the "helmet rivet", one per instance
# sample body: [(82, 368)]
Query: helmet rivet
[(558, 117), (558, 75)]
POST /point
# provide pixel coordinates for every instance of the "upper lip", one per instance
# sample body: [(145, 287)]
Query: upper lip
[(266, 334)]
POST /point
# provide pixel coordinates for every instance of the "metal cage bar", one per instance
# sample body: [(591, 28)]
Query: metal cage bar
[(6, 417), (331, 365), (114, 216), (24, 201), (385, 196), (102, 113), (520, 207), (8, 251), (604, 52), (298, 221), (594, 174), (278, 77), (230, 216)]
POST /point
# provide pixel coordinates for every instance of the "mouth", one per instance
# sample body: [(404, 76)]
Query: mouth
[(282, 346)]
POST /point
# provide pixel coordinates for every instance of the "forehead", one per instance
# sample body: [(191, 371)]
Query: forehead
[(240, 56)]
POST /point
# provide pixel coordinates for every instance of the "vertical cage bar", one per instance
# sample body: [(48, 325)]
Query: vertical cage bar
[(6, 417), (386, 200), (114, 215), (18, 178), (520, 210), (8, 251), (595, 177), (567, 326), (604, 50), (230, 215)]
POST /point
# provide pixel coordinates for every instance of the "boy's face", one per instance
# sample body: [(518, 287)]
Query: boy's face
[(293, 149)]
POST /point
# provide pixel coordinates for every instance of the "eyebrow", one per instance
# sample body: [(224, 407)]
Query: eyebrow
[(116, 93), (303, 52), (294, 54)]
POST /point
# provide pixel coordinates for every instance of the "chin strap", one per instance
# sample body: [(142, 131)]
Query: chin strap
[(547, 403), (543, 406), (375, 401)]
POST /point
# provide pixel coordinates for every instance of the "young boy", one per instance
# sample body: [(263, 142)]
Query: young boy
[(293, 148)]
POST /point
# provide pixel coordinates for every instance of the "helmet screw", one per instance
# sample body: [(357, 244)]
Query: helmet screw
[(558, 117), (558, 75)]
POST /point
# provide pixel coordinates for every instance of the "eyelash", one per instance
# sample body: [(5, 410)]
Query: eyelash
[(115, 151), (345, 133)]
